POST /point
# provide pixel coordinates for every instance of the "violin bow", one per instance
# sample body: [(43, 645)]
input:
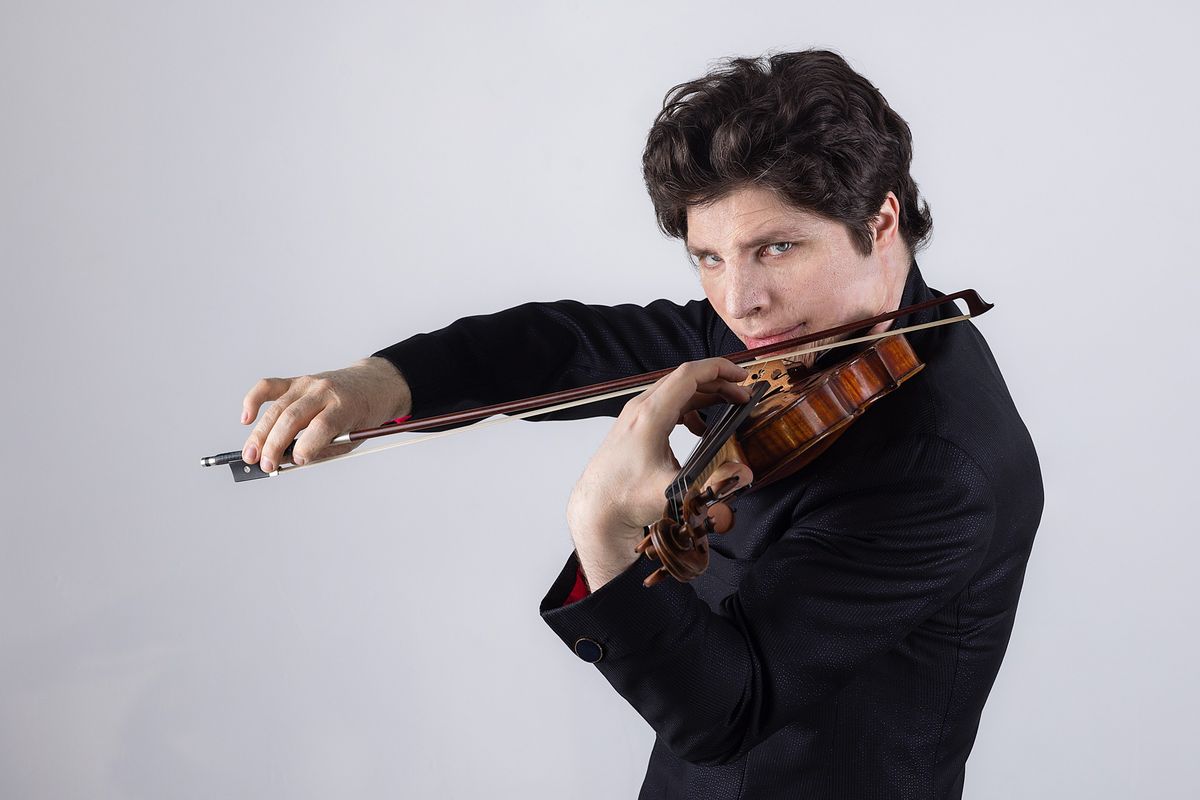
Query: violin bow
[(594, 393)]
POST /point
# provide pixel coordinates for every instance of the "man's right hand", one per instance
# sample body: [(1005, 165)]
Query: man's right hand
[(325, 405)]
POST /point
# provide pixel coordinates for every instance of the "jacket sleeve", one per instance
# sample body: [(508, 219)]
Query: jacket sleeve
[(868, 560), (538, 348)]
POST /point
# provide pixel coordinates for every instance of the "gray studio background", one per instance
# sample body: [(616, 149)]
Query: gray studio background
[(194, 195)]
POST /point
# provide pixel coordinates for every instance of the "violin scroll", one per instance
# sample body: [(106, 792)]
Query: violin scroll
[(682, 547)]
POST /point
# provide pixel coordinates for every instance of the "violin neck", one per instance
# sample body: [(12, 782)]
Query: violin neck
[(730, 451), (718, 446)]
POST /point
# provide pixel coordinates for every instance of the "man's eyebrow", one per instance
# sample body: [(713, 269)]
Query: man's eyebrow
[(760, 240)]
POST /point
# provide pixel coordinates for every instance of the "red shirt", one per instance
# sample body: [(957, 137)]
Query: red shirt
[(579, 590)]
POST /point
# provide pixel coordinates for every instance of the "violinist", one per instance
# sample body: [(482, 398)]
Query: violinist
[(846, 634)]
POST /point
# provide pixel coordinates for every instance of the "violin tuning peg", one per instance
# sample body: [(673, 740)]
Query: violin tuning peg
[(645, 546), (719, 518), (655, 577), (727, 486)]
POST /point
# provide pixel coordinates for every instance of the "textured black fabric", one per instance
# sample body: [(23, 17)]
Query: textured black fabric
[(538, 348), (848, 630)]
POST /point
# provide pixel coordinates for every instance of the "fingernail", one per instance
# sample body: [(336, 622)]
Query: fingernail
[(267, 466), (249, 454), (245, 417), (298, 461)]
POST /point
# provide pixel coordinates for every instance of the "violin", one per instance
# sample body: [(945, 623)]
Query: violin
[(793, 415)]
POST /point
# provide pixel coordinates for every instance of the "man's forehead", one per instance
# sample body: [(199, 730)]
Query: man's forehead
[(746, 224)]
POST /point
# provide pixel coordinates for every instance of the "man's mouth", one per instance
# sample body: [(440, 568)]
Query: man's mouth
[(791, 333)]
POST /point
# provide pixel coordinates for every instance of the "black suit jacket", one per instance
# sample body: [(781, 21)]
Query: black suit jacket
[(846, 634)]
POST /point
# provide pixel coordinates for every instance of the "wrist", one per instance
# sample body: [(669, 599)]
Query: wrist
[(391, 397), (600, 568), (604, 551)]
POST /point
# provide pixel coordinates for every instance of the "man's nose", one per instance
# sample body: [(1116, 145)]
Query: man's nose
[(745, 291)]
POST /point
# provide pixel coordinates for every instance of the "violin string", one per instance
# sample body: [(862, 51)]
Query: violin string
[(716, 430), (689, 475), (685, 478), (487, 423)]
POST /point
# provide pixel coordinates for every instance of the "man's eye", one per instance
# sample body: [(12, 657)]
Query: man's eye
[(709, 260), (779, 248)]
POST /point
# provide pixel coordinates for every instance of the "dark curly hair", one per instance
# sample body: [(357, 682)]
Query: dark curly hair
[(803, 124)]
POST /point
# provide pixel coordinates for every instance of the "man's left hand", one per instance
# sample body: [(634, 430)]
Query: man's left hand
[(622, 488)]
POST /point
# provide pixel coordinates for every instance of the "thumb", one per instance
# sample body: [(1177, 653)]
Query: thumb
[(694, 423)]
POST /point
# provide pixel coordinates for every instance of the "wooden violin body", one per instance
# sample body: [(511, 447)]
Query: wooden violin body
[(792, 420)]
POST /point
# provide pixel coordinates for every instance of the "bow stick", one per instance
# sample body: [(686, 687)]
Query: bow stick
[(594, 393)]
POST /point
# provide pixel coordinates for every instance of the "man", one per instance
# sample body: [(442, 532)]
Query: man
[(844, 639)]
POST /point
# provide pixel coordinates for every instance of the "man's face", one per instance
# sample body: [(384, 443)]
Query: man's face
[(775, 272)]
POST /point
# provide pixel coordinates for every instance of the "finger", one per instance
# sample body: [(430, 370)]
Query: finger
[(703, 400), (253, 448), (726, 390), (707, 395), (641, 396), (729, 371), (290, 422), (333, 452), (265, 390), (666, 402), (313, 441), (694, 423)]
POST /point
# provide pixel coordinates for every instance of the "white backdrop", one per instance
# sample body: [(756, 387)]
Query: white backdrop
[(193, 195)]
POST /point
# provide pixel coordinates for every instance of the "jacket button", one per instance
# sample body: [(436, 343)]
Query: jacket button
[(589, 650)]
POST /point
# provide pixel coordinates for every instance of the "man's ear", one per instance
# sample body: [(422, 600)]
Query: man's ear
[(887, 222)]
